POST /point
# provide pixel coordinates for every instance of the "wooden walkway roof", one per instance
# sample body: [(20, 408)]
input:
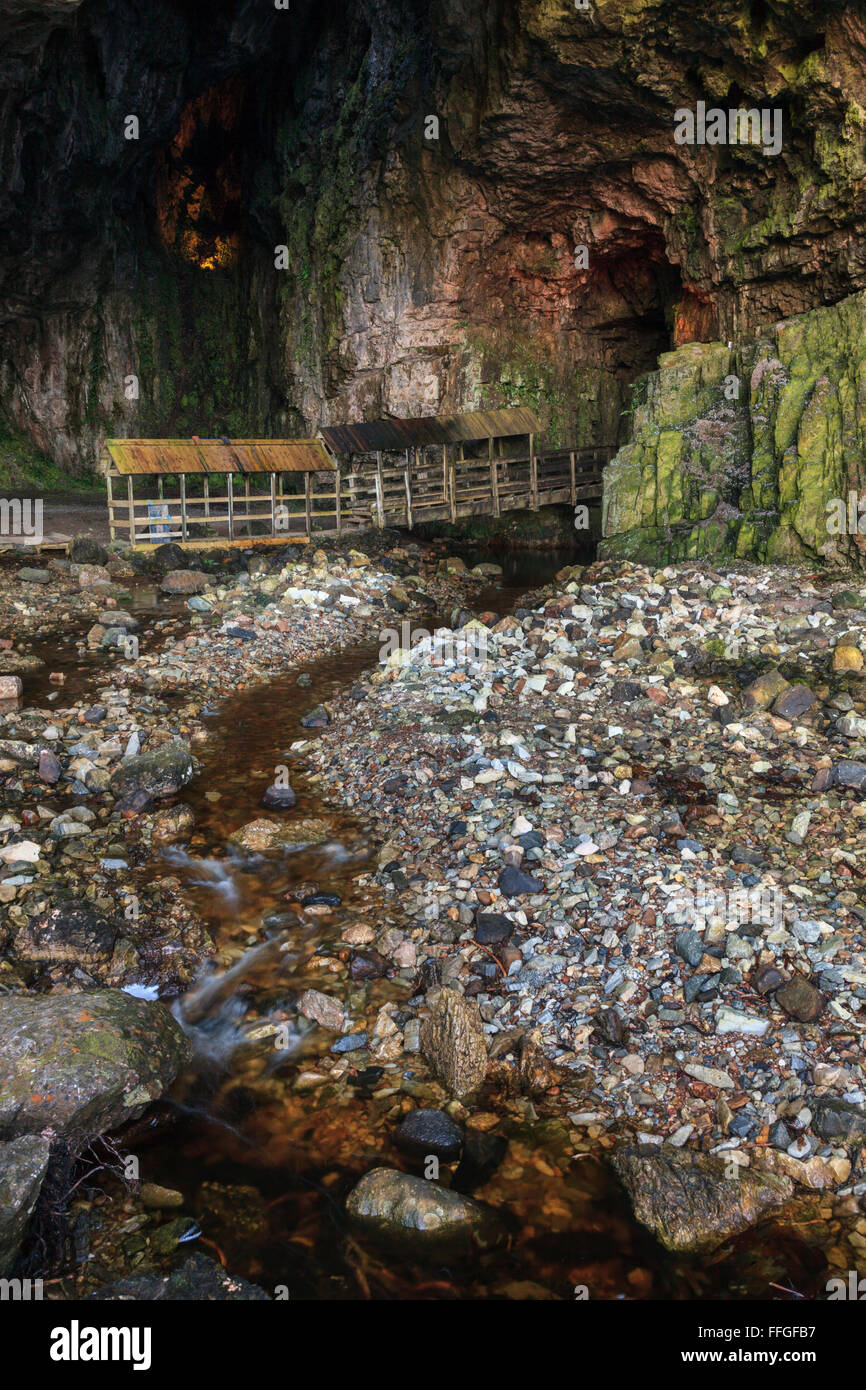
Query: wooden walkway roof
[(141, 456), (373, 435)]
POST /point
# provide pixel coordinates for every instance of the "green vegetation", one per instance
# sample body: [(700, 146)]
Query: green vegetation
[(24, 468)]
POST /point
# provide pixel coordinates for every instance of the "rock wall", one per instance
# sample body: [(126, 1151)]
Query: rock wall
[(753, 452), (428, 266)]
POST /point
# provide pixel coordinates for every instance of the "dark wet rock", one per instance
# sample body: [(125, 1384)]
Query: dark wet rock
[(185, 582), (610, 1026), (278, 798), (454, 1043), (197, 1280), (418, 1212), (95, 715), (839, 1122), (689, 946), (168, 557), (686, 1199), (848, 773), (624, 692), (780, 1135), (492, 928), (424, 1132), (246, 634), (768, 978), (800, 1000), (514, 883), (321, 900), (745, 854), (83, 1063), (23, 1163), (367, 965), (70, 932), (317, 718), (50, 770), (794, 702), (86, 551), (483, 1152), (159, 773)]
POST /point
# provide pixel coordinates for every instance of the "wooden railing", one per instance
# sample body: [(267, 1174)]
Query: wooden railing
[(421, 488)]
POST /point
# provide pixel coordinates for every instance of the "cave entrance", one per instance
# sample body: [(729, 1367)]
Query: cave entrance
[(198, 181), (640, 305)]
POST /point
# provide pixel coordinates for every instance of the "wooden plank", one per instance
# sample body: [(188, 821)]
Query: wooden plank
[(273, 504), (533, 475), (230, 498), (338, 502), (308, 503), (131, 501), (183, 505), (408, 481), (111, 527), (380, 492)]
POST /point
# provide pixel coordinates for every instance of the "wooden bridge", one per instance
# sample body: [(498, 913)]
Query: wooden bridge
[(421, 489), (379, 473)]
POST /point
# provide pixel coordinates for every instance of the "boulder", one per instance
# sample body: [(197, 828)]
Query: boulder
[(430, 1132), (688, 1200), (409, 1211), (84, 550), (83, 1063), (23, 1163), (185, 582), (68, 933), (159, 773), (196, 1280)]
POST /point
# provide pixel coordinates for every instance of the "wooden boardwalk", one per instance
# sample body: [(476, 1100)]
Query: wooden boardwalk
[(420, 490)]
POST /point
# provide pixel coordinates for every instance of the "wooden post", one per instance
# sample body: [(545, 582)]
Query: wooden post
[(452, 486), (110, 504), (183, 506), (230, 494), (494, 478), (533, 475), (273, 504), (247, 499), (206, 497), (408, 477), (573, 488), (338, 482), (380, 492), (131, 501), (308, 503), (445, 473)]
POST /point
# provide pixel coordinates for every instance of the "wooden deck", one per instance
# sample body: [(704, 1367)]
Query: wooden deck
[(445, 487)]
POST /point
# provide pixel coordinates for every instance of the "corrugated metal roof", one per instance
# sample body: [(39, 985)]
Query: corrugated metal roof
[(133, 456), (367, 436)]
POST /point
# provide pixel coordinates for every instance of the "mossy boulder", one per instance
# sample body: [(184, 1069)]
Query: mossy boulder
[(692, 1202), (751, 453), (83, 1064)]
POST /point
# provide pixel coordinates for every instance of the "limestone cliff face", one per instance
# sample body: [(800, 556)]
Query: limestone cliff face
[(430, 169), (754, 452)]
